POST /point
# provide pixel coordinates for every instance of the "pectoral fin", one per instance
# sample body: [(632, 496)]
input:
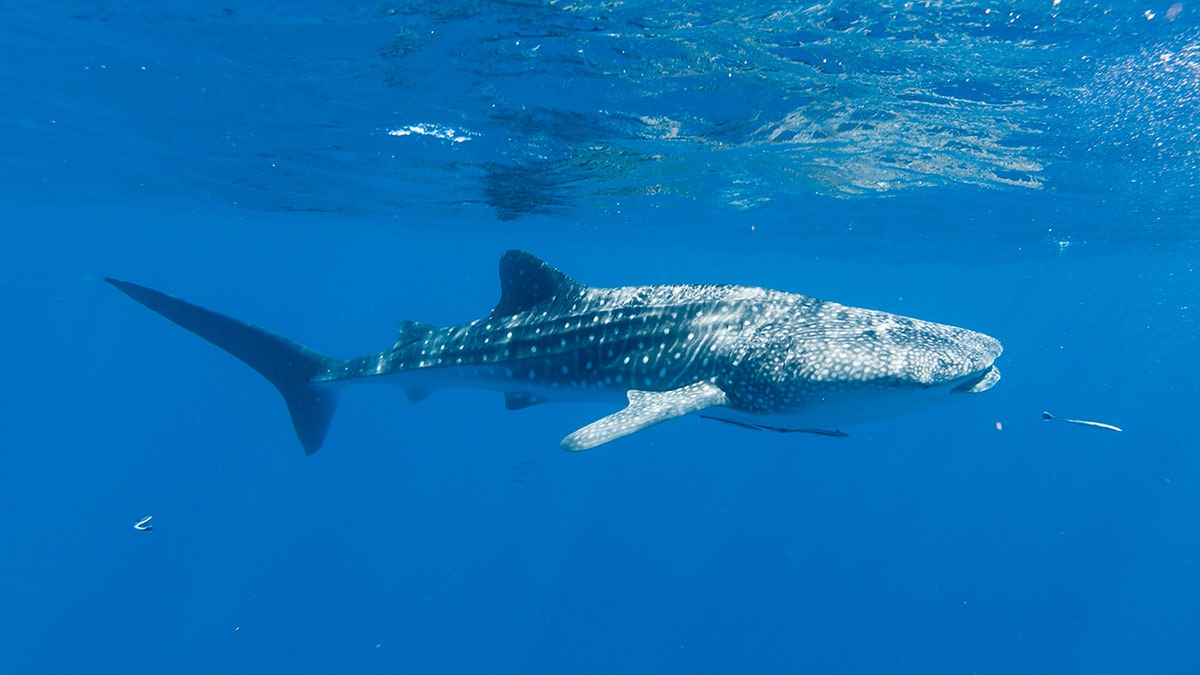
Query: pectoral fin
[(645, 409)]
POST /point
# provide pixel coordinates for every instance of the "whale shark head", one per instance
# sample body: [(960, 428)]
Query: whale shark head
[(842, 365), (975, 366), (933, 355)]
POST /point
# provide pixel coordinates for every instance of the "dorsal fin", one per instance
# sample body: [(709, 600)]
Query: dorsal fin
[(410, 332), (527, 281)]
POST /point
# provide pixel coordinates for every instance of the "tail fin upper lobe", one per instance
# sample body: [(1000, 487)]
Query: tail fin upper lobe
[(289, 366)]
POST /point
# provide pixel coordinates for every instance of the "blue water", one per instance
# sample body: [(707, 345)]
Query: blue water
[(326, 170)]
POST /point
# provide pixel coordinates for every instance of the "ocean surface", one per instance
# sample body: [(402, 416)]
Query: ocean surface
[(1030, 170)]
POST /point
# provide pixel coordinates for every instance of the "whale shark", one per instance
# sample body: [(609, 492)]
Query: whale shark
[(756, 358)]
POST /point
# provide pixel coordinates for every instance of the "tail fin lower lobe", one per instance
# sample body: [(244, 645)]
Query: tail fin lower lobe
[(289, 366)]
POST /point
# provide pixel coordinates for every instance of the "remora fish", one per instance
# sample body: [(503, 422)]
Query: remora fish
[(1087, 423), (758, 358)]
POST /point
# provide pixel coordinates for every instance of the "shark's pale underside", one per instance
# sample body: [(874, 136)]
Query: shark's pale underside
[(758, 358)]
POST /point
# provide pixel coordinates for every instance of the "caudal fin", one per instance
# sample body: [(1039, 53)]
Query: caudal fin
[(289, 366)]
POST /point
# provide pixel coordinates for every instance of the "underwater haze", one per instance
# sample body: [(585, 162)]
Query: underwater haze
[(326, 170)]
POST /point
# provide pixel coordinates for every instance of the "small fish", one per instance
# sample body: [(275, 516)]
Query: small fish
[(1099, 425), (144, 525), (520, 469), (836, 433)]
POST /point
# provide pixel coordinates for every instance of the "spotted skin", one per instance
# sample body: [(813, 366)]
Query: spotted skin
[(767, 358), (645, 409)]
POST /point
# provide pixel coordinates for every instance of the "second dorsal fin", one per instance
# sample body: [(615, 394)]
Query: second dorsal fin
[(527, 281)]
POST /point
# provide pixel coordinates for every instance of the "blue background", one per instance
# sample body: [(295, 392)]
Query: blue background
[(1030, 173)]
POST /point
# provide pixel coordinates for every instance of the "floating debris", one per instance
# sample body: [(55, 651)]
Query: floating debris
[(1099, 425), (144, 525)]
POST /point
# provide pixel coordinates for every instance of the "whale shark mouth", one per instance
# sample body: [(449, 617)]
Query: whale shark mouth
[(986, 380)]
